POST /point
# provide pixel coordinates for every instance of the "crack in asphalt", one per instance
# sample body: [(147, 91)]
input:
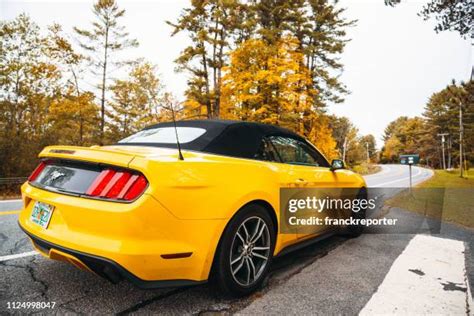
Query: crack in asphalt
[(72, 310), (223, 311), (64, 305), (149, 301), (3, 239), (17, 245), (36, 279), (272, 279), (31, 273)]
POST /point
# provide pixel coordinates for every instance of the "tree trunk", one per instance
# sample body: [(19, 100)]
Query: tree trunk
[(206, 77), (102, 100), (217, 101), (81, 118), (214, 64)]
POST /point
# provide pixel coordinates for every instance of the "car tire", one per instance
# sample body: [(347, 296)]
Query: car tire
[(245, 252), (353, 231)]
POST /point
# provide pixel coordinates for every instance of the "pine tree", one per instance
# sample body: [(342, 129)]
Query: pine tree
[(323, 38), (79, 102), (217, 27), (210, 25), (442, 116), (105, 38), (319, 27)]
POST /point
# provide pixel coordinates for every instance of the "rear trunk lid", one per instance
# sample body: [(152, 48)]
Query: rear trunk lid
[(119, 155), (75, 170), (94, 154)]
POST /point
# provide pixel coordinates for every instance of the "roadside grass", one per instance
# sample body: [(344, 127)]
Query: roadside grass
[(446, 196), (366, 168), (449, 179)]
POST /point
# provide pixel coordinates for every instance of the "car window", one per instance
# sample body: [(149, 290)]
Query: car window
[(266, 152), (293, 151), (165, 135)]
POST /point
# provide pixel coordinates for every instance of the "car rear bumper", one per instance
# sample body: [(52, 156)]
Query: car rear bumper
[(140, 241), (103, 267)]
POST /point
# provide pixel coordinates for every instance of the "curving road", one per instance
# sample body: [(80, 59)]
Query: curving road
[(397, 176), (335, 276)]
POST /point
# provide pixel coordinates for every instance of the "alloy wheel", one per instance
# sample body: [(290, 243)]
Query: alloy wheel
[(250, 251)]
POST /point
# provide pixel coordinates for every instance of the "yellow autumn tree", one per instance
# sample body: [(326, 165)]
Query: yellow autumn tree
[(270, 84), (267, 83), (392, 148), (192, 109), (74, 119), (136, 101), (320, 135)]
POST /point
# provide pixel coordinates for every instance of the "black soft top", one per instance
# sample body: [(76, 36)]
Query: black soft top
[(224, 137)]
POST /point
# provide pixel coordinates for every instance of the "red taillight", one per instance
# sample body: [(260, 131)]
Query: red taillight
[(113, 184), (136, 189), (37, 171), (100, 182), (118, 183)]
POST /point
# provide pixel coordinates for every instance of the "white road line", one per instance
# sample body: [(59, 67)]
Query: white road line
[(20, 255), (10, 201), (421, 176), (399, 180), (428, 278)]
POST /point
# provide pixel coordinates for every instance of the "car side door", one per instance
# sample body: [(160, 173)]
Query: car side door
[(268, 154), (307, 168)]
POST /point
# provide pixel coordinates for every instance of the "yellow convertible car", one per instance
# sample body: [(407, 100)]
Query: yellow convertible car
[(144, 211)]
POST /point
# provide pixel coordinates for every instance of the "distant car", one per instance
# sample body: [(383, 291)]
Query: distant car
[(136, 211)]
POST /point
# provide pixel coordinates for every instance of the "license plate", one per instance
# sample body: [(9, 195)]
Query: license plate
[(41, 214)]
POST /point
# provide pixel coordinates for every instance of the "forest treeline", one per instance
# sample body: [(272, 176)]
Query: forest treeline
[(275, 62), (447, 113), (272, 61)]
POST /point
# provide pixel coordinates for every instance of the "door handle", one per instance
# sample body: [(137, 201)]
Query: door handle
[(300, 180)]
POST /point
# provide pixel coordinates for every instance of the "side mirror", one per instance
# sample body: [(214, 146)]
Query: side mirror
[(337, 164)]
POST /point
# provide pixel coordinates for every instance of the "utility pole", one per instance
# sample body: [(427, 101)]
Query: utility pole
[(460, 139), (368, 156), (442, 148), (450, 148)]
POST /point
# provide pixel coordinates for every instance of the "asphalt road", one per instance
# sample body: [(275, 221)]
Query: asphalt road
[(335, 276), (397, 176)]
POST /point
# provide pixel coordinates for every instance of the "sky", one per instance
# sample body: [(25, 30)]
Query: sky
[(393, 63)]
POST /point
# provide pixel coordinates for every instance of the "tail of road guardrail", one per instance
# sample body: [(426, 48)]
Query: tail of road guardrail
[(10, 187), (14, 180)]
